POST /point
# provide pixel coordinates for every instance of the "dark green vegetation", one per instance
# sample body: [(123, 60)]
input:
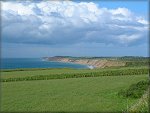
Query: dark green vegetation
[(137, 63), (76, 74), (135, 90), (132, 61), (77, 90)]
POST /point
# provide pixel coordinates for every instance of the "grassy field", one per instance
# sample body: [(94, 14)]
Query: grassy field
[(34, 72), (88, 94), (69, 90)]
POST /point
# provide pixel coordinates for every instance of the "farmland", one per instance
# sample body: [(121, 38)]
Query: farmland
[(74, 56), (73, 94), (67, 89)]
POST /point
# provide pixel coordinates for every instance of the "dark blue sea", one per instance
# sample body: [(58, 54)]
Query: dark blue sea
[(15, 63)]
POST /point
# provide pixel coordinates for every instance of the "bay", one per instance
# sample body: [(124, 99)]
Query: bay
[(15, 63)]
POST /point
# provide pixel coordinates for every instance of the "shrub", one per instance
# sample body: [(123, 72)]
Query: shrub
[(135, 90)]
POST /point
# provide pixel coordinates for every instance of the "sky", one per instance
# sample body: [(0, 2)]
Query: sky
[(74, 28)]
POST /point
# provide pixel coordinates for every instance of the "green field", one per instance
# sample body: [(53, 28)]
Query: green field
[(44, 74), (81, 94), (32, 72)]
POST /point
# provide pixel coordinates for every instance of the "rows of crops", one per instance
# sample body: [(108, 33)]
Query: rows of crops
[(79, 75)]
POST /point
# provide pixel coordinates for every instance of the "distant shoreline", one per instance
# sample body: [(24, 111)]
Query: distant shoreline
[(90, 62), (26, 63), (88, 66)]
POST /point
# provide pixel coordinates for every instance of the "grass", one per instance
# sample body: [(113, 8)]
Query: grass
[(5, 74), (142, 106), (90, 94), (85, 90), (27, 72), (78, 75)]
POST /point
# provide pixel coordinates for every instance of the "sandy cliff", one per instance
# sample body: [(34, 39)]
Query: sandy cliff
[(97, 63)]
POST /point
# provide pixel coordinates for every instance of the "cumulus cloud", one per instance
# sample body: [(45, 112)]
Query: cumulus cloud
[(67, 22)]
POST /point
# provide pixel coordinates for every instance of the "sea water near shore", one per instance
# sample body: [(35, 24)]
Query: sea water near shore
[(14, 63)]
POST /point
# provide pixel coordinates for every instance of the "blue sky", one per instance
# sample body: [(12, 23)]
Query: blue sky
[(93, 28), (139, 7)]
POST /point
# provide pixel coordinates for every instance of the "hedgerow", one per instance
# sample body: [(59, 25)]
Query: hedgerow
[(78, 75)]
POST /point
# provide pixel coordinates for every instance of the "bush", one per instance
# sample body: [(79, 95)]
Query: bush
[(135, 90)]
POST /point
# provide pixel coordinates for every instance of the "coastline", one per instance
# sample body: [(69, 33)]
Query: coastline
[(88, 66), (27, 63), (91, 63)]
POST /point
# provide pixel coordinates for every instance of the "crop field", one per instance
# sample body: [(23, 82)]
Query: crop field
[(77, 90), (73, 94), (63, 72)]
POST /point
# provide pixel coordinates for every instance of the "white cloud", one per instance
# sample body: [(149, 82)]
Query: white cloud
[(66, 22), (17, 8), (142, 21), (121, 11)]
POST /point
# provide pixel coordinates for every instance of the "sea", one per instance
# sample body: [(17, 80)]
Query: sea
[(16, 63)]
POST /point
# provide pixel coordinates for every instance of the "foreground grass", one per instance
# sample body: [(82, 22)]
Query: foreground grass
[(73, 94), (142, 105)]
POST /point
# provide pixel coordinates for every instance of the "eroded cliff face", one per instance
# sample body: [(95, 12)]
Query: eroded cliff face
[(97, 63)]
